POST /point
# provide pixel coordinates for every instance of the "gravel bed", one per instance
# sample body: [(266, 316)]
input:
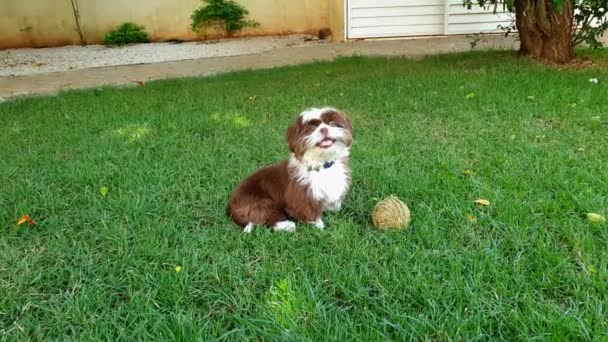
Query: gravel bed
[(33, 61)]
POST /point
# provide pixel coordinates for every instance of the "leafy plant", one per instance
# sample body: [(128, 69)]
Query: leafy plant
[(474, 39), (590, 22), (127, 33), (227, 14)]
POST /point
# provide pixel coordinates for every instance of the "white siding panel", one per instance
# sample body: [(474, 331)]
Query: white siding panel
[(398, 21), (395, 11), (393, 3), (394, 18), (396, 31), (477, 19), (474, 28), (459, 9)]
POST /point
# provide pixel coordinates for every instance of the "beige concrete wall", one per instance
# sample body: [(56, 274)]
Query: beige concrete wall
[(337, 19), (26, 23), (37, 23), (162, 19)]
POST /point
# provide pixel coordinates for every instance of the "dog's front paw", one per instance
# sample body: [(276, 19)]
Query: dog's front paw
[(335, 206), (285, 226), (249, 228), (319, 224)]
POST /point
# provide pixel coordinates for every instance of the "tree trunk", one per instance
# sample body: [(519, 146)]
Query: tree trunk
[(557, 45), (529, 37), (545, 31)]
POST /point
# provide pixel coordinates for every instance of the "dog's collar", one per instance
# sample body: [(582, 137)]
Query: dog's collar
[(325, 165)]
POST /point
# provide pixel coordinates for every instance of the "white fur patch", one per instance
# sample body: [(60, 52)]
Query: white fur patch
[(326, 185), (336, 206), (319, 224), (285, 226), (249, 227), (315, 113)]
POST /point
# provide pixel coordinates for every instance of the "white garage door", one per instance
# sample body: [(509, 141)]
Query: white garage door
[(400, 18)]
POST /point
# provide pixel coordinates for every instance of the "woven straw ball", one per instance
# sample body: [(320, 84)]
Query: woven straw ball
[(391, 213)]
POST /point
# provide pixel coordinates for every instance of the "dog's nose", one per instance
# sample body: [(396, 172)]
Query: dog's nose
[(324, 131)]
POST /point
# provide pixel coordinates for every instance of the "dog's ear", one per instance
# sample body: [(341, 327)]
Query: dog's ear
[(348, 124), (345, 122), (293, 135), (290, 137)]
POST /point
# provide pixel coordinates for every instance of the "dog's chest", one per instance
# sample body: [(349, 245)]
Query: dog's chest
[(329, 185)]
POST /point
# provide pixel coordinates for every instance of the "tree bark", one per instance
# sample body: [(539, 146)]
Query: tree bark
[(545, 31), (557, 43), (529, 37)]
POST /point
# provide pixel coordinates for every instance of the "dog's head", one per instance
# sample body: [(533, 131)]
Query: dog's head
[(321, 134)]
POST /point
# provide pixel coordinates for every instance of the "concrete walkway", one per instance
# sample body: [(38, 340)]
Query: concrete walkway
[(52, 83)]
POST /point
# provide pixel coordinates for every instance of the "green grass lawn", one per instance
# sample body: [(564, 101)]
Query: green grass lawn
[(170, 152)]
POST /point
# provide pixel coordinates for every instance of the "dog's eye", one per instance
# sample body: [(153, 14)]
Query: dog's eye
[(314, 123), (333, 124)]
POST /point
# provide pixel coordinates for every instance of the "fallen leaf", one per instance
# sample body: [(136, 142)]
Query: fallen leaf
[(178, 269), (470, 96), (472, 218), (530, 97), (483, 202), (26, 218), (468, 173), (593, 80), (141, 83), (103, 191), (596, 218)]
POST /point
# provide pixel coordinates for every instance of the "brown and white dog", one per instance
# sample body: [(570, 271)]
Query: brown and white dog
[(315, 178)]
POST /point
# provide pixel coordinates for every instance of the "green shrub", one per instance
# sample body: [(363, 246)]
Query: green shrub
[(227, 14), (590, 22), (127, 33)]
